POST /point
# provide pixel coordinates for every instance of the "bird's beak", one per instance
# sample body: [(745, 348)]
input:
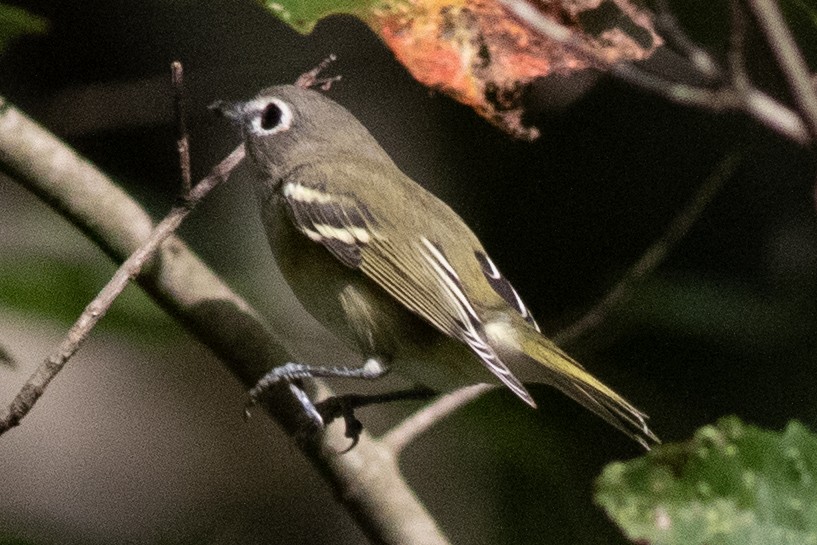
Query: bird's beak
[(234, 111)]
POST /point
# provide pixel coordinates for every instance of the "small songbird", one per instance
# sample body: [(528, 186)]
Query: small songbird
[(389, 267)]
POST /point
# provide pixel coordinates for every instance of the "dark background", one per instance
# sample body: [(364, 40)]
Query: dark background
[(142, 440)]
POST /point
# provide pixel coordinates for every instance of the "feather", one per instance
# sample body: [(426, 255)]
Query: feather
[(339, 222), (419, 275), (503, 287), (341, 190)]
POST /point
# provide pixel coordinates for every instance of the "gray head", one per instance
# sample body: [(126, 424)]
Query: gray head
[(285, 126)]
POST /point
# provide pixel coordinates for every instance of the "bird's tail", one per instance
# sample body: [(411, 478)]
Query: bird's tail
[(515, 342)]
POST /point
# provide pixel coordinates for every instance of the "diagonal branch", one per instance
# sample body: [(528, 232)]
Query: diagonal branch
[(419, 422), (654, 255), (789, 58), (367, 481), (34, 387), (761, 106), (670, 30)]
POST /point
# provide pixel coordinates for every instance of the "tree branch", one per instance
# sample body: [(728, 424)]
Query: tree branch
[(96, 309), (416, 424), (183, 139), (791, 61), (666, 25), (751, 100), (366, 481)]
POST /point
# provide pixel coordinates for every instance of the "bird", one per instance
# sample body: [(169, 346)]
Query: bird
[(390, 268)]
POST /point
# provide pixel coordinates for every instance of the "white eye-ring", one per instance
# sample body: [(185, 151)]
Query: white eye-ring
[(270, 116)]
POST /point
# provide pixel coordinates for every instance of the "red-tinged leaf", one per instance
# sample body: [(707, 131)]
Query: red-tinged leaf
[(478, 53), (482, 56)]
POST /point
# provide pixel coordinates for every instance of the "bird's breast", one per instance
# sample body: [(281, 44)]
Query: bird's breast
[(316, 278)]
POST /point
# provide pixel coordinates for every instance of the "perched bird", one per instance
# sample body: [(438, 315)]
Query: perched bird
[(389, 267)]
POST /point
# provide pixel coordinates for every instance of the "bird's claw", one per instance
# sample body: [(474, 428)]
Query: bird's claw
[(354, 427), (342, 407)]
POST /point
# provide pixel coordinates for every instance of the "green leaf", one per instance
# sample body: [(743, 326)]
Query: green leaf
[(60, 289), (303, 15), (15, 22), (731, 484)]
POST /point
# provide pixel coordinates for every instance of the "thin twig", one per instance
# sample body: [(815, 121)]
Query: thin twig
[(34, 387), (668, 28), (736, 56), (310, 79), (405, 432), (182, 139), (655, 254), (789, 58), (764, 108), (630, 73)]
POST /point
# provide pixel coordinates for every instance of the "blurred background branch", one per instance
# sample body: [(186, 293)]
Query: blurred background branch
[(726, 94)]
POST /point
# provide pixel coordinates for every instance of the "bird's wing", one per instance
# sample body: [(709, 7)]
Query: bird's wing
[(413, 268), (504, 289)]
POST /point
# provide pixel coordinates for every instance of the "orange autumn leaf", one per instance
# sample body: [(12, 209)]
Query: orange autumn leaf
[(478, 53)]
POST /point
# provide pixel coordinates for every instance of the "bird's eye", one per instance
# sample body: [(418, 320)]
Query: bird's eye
[(271, 116)]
